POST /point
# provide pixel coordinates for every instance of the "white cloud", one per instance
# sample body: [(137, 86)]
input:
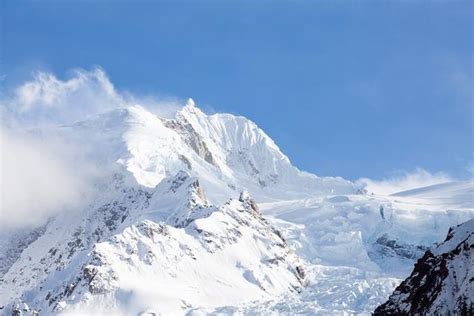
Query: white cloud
[(403, 181), (49, 100), (37, 180)]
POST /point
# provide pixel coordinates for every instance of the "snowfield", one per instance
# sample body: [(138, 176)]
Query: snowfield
[(204, 214)]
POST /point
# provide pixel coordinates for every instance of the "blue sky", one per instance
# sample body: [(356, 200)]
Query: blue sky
[(345, 88)]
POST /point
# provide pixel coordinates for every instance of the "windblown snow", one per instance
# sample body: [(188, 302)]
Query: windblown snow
[(204, 214)]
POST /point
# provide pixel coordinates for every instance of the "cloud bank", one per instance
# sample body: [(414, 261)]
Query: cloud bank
[(36, 178), (404, 181)]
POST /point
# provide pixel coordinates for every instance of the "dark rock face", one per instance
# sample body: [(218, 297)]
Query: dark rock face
[(420, 289), (388, 247), (442, 281)]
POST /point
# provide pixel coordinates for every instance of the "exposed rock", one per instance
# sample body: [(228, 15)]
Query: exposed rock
[(442, 281), (388, 247), (192, 138), (248, 201)]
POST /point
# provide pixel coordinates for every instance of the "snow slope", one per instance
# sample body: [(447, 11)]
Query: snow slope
[(173, 229), (457, 195)]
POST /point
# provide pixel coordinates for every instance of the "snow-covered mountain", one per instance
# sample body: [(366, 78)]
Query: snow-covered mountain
[(166, 245), (204, 213), (442, 281), (227, 153)]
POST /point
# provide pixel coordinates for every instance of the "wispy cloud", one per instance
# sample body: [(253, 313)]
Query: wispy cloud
[(403, 181), (36, 177), (47, 99)]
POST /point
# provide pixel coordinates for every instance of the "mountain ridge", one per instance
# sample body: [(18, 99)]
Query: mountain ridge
[(176, 194)]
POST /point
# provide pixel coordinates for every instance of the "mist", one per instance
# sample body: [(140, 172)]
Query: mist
[(43, 173)]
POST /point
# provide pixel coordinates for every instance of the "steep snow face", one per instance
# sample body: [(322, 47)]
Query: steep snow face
[(442, 281), (132, 138), (245, 154), (227, 153), (167, 250)]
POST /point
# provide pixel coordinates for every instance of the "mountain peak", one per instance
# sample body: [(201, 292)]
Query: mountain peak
[(190, 109), (190, 103)]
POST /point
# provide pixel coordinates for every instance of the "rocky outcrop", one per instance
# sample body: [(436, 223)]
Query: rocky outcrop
[(386, 246), (248, 201), (442, 281)]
